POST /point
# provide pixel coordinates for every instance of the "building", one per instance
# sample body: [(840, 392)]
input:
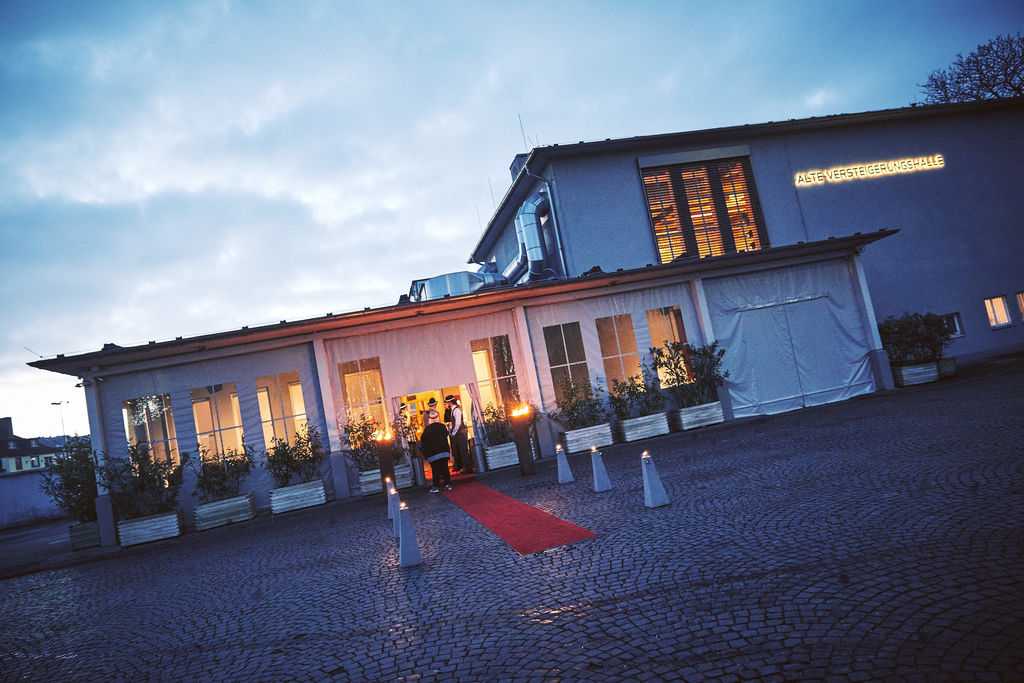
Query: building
[(18, 454), (783, 241)]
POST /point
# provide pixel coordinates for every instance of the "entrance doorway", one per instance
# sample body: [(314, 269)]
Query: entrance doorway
[(419, 406)]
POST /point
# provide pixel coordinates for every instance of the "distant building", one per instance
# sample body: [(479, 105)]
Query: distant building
[(18, 454), (785, 242)]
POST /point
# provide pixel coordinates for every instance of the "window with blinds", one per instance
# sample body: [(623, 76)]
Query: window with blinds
[(704, 209)]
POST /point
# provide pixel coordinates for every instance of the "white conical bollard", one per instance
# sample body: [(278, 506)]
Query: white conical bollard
[(564, 473), (395, 504), (408, 548), (601, 480), (654, 492), (389, 492)]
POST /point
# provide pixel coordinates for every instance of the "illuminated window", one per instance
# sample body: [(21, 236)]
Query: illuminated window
[(218, 419), (998, 311), (495, 371), (720, 212), (149, 421), (951, 321), (363, 389), (566, 357), (1020, 303), (618, 348), (282, 408), (666, 326)]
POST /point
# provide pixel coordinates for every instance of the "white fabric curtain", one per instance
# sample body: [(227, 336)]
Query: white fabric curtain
[(793, 336)]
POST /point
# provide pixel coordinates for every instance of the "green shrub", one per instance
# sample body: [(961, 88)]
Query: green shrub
[(581, 405), (361, 438), (637, 396), (71, 480), (914, 337), (220, 476), (693, 373), (296, 462), (141, 485)]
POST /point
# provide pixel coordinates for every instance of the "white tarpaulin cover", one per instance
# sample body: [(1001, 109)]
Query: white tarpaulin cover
[(794, 337)]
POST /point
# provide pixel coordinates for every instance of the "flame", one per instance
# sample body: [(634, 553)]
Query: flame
[(381, 436), (521, 410)]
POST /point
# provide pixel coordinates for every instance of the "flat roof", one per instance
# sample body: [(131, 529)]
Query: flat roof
[(113, 355)]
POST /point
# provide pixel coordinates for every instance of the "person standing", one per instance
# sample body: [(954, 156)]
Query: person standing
[(434, 447), (459, 433)]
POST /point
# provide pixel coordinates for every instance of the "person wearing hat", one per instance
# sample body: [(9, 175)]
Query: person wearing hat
[(434, 445), (459, 432)]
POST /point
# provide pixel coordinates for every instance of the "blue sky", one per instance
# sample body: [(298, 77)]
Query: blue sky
[(181, 168)]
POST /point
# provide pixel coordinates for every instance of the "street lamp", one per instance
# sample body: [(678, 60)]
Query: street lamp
[(60, 407)]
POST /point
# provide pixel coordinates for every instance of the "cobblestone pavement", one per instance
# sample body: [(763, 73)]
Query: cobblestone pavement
[(881, 538)]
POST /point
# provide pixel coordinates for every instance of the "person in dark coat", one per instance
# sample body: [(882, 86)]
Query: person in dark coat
[(435, 448)]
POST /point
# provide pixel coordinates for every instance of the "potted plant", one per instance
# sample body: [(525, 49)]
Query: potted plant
[(692, 375), (295, 469), (144, 493), (915, 343), (71, 484), (581, 409), (501, 446), (403, 432), (363, 437), (218, 484), (639, 406)]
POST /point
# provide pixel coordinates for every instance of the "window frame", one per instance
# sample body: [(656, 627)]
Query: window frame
[(504, 387), (717, 198), (619, 356), (991, 312), (218, 430), (289, 421), (568, 363), (364, 368), (167, 447)]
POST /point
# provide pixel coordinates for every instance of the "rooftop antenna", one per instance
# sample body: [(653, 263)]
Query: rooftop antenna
[(31, 351), (479, 220), (492, 194), (523, 132)]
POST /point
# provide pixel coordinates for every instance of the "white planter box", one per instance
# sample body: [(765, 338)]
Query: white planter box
[(636, 428), (918, 373), (84, 535), (700, 416), (582, 439), (502, 455), (151, 528), (369, 480), (227, 511), (297, 496)]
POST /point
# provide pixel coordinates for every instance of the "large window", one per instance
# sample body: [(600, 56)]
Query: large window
[(705, 209), (666, 326), (998, 311), (218, 419), (282, 408), (618, 348), (363, 389), (1020, 303), (495, 371), (566, 357), (149, 421)]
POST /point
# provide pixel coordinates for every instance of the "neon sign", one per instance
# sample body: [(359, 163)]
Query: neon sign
[(875, 169)]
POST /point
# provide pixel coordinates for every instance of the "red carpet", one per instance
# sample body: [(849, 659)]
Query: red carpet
[(525, 528)]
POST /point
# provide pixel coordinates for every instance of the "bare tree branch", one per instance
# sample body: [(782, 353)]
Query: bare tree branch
[(994, 70)]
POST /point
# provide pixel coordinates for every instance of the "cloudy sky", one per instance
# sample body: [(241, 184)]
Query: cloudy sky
[(181, 168)]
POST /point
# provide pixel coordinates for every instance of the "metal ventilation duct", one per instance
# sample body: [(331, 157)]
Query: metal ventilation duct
[(532, 251)]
